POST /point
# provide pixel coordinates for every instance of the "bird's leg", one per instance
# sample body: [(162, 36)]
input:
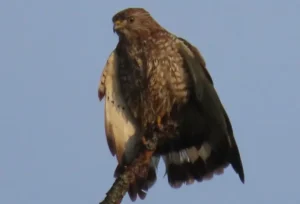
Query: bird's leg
[(150, 143), (159, 118), (151, 136), (140, 166), (158, 122)]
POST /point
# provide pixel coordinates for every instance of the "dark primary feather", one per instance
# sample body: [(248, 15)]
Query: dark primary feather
[(233, 152), (163, 75)]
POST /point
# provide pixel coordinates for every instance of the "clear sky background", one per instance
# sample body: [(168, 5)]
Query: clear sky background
[(52, 143)]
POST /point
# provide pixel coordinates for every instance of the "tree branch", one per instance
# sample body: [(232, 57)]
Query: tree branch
[(121, 185), (118, 189)]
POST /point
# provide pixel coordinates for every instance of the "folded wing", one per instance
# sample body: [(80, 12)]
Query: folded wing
[(121, 129), (207, 139)]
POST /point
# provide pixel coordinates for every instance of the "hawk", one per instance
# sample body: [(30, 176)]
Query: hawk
[(155, 77)]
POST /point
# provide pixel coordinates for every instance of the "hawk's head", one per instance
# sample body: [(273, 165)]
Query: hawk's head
[(133, 22)]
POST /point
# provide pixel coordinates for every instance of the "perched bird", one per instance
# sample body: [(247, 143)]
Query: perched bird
[(155, 77)]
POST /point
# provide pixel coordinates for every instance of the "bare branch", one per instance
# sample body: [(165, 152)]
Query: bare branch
[(121, 185)]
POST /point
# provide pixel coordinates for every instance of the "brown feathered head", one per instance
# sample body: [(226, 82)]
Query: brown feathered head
[(133, 22)]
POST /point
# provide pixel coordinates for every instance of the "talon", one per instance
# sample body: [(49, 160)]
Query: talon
[(150, 144), (159, 120), (160, 126)]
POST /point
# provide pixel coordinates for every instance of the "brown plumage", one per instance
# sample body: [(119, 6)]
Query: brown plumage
[(156, 77)]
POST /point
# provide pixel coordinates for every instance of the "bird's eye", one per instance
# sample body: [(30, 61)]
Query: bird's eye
[(131, 19)]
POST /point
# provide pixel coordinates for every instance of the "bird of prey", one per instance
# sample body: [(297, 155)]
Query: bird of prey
[(155, 77)]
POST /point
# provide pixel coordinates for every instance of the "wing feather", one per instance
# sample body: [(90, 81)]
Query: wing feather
[(204, 89), (199, 58), (121, 129), (208, 98), (101, 87)]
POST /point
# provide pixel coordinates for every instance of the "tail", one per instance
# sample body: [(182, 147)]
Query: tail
[(196, 163), (141, 185)]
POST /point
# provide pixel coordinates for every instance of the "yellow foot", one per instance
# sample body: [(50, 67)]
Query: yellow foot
[(160, 126)]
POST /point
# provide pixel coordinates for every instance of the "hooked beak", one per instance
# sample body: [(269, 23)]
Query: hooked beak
[(118, 25)]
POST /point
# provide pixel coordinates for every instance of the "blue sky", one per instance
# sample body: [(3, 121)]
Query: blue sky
[(52, 143)]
